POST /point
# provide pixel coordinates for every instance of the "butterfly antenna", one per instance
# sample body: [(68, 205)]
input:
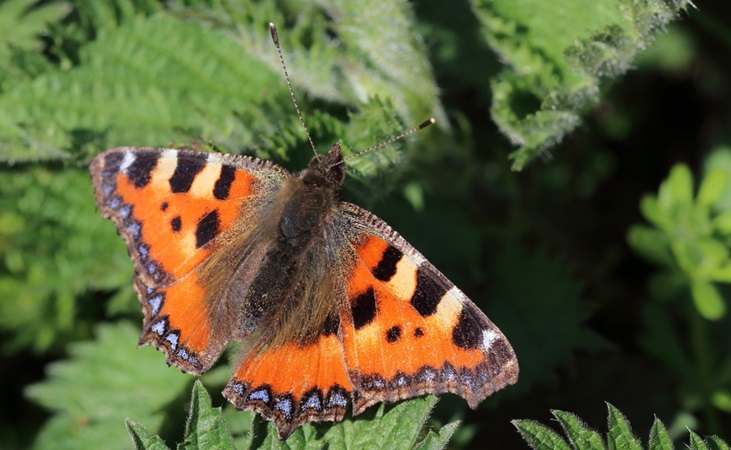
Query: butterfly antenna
[(275, 38), (421, 126)]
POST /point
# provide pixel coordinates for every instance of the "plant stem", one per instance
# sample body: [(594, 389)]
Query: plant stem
[(701, 345)]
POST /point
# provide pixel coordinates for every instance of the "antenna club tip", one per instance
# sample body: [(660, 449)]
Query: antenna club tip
[(426, 123), (273, 31)]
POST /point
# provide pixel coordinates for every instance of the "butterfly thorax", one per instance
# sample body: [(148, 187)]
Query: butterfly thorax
[(289, 277)]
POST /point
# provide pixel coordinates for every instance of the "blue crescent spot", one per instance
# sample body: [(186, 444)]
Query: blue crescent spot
[(173, 339), (159, 328), (449, 374), (313, 402), (284, 405), (337, 399), (143, 251), (428, 375), (125, 211), (260, 394), (155, 302), (467, 380), (135, 229), (114, 202), (107, 189)]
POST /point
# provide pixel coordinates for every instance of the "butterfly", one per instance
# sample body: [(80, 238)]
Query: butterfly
[(334, 310)]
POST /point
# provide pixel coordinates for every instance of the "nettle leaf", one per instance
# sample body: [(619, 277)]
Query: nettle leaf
[(400, 426), (539, 436), (619, 436), (141, 437), (659, 437), (205, 427), (581, 436), (536, 299), (716, 443), (100, 14), (22, 22), (101, 383), (385, 55), (554, 77), (55, 251), (151, 81), (353, 52)]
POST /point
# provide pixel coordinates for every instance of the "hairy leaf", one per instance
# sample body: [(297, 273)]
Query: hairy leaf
[(401, 426), (55, 251), (553, 77), (101, 383), (536, 299)]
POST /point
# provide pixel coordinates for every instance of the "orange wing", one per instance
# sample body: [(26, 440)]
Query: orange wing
[(293, 384), (173, 209), (400, 329), (407, 330)]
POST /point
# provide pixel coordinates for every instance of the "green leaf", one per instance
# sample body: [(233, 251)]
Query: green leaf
[(651, 243), (537, 299), (552, 77), (712, 187), (678, 188), (707, 299), (696, 442), (438, 441), (652, 211), (620, 435), (386, 56), (397, 427), (141, 437), (662, 341), (148, 82), (581, 436), (55, 249), (205, 427), (101, 383), (22, 22), (722, 222), (716, 443), (721, 399), (539, 436), (659, 438)]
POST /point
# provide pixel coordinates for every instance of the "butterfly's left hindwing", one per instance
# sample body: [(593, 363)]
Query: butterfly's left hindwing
[(174, 208)]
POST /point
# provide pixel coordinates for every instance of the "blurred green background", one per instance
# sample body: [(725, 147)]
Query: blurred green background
[(577, 187)]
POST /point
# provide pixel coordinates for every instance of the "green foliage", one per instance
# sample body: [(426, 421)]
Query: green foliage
[(55, 250), (553, 77), (538, 294), (403, 426), (102, 383), (619, 435), (80, 76), (692, 238), (21, 24)]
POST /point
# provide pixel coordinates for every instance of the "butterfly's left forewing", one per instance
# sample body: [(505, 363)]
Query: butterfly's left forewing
[(407, 330), (175, 209)]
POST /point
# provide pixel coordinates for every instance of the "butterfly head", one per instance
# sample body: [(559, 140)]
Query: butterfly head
[(328, 169)]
